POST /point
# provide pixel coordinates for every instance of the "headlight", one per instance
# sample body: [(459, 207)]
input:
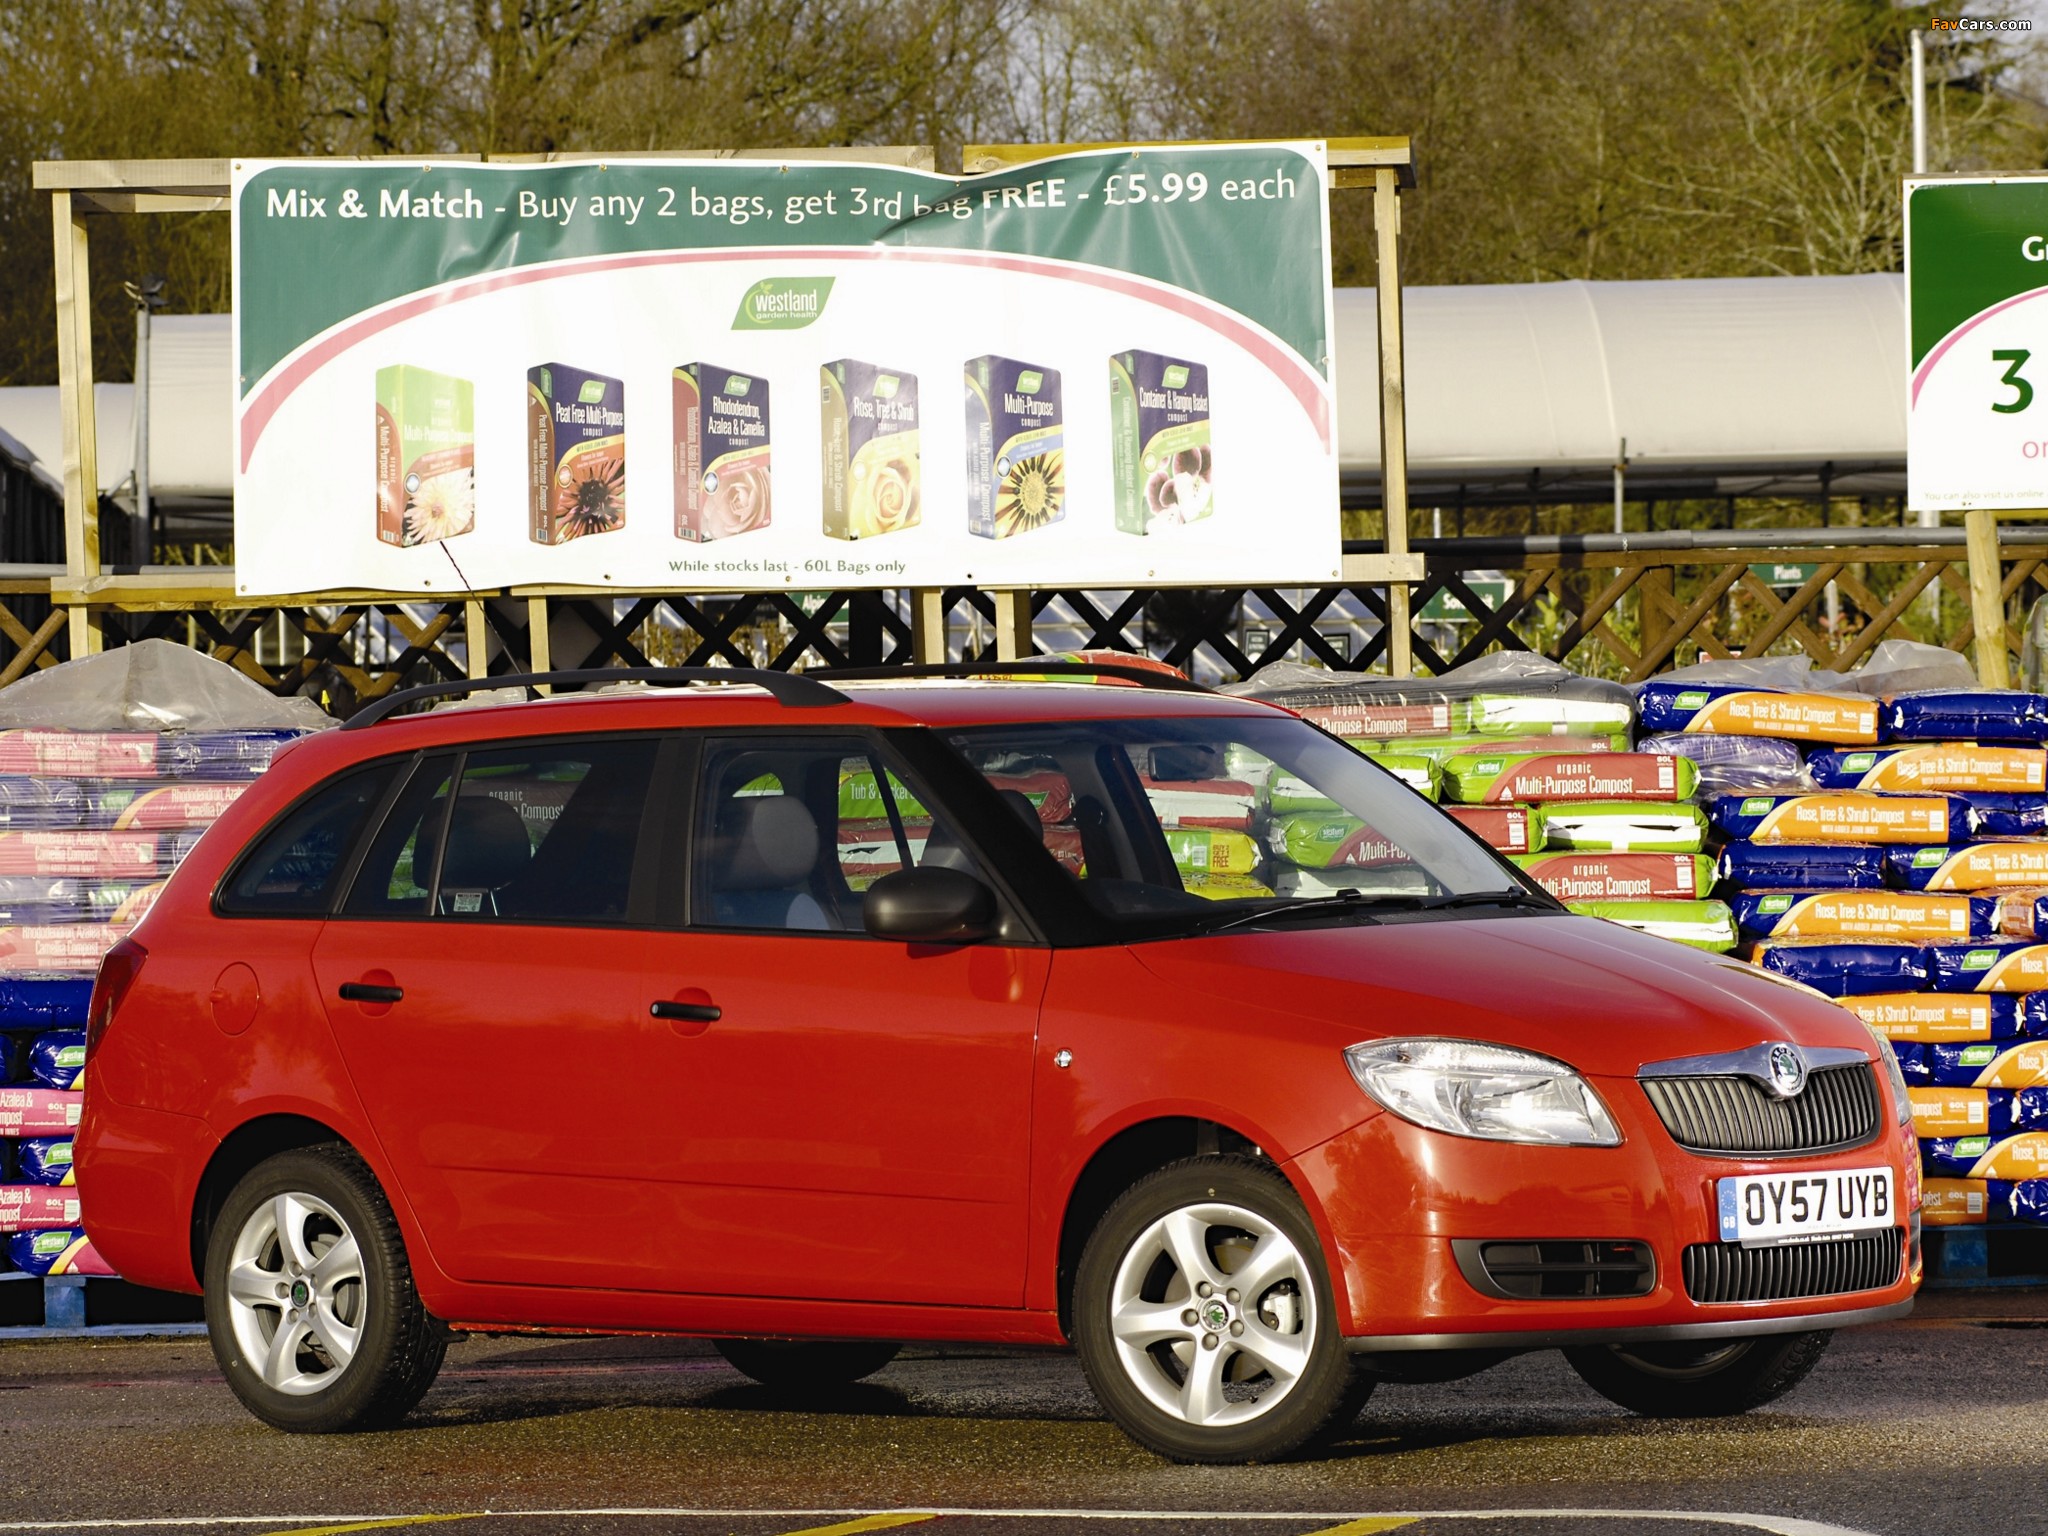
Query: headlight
[(1889, 1059), (1493, 1092)]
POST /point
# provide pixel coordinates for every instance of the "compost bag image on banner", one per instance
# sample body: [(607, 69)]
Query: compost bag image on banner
[(1110, 368)]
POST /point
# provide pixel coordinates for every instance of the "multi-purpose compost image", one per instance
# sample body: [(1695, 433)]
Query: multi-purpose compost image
[(721, 427), (1159, 441), (576, 453), (426, 456), (870, 450), (1016, 458)]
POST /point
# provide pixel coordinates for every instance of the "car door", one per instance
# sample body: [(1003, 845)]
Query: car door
[(480, 981), (847, 1118)]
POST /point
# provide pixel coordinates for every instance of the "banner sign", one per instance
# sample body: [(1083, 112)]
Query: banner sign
[(1977, 329), (1108, 369)]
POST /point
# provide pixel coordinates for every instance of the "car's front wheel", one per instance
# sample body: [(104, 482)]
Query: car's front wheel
[(1700, 1380), (1204, 1318), (310, 1305)]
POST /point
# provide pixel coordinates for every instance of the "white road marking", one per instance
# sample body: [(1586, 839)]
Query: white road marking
[(1774, 1525)]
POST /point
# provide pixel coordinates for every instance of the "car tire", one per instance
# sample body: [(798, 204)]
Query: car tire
[(310, 1305), (794, 1365), (1190, 1365), (1705, 1380)]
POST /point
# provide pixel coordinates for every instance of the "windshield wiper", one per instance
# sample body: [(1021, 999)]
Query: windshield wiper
[(1510, 898), (1340, 900)]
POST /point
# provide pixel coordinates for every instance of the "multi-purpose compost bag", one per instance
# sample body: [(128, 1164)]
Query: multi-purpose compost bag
[(1507, 694), (1507, 828), (1611, 827), (1577, 877), (1702, 924), (1485, 777)]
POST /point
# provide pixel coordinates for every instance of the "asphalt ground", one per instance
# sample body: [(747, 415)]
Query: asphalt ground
[(1932, 1425)]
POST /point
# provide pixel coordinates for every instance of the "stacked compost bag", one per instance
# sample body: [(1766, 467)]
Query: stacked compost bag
[(1535, 760), (1886, 843), (110, 769)]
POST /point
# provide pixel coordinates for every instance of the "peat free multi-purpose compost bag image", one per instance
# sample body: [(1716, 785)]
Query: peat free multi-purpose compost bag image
[(426, 455), (1159, 442), (722, 453), (576, 453), (872, 469), (1016, 448)]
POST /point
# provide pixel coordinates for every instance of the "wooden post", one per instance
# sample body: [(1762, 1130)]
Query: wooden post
[(538, 656), (1013, 625), (475, 639), (1987, 597), (1386, 218), (75, 406), (927, 626)]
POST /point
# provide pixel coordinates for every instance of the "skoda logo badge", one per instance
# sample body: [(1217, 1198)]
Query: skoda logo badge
[(1788, 1071)]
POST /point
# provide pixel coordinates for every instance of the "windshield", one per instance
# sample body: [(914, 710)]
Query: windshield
[(1179, 825)]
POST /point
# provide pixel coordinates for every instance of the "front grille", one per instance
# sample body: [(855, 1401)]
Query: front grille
[(1839, 1107), (1553, 1269), (1730, 1272)]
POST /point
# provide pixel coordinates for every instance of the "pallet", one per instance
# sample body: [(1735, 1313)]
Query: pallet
[(1995, 1254), (67, 1306)]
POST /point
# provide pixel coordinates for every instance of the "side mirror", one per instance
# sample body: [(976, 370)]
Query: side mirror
[(929, 906)]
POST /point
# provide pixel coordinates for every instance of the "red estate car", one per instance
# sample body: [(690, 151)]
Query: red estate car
[(818, 1017)]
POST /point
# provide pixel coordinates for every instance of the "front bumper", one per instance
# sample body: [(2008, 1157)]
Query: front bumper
[(1394, 1198)]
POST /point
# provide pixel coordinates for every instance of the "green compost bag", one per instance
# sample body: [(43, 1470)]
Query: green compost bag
[(860, 799), (1318, 840), (1608, 826), (1515, 714), (1708, 925), (1479, 778), (1419, 772)]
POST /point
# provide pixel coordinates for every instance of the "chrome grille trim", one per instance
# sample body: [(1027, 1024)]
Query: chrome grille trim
[(1728, 1272), (1840, 1107)]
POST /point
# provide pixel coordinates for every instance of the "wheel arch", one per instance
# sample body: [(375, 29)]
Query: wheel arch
[(1122, 1160), (240, 1153)]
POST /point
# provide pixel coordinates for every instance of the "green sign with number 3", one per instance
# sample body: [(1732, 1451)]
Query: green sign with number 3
[(1977, 337)]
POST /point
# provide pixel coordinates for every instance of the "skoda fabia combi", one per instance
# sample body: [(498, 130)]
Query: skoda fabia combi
[(821, 1018)]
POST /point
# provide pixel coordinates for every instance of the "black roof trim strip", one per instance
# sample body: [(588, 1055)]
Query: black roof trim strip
[(1144, 676), (792, 690)]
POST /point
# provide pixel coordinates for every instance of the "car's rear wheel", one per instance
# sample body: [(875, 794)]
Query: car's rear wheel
[(310, 1304), (798, 1364), (1700, 1380), (1204, 1318)]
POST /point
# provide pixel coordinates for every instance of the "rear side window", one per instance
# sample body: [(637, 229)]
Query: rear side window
[(543, 832), (295, 868)]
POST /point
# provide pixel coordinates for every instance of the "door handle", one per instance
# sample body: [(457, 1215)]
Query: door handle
[(370, 992), (688, 1013)]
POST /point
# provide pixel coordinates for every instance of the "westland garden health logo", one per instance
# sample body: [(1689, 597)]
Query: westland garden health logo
[(782, 303)]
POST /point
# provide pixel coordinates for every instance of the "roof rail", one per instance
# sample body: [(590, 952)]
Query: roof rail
[(1146, 677), (793, 690)]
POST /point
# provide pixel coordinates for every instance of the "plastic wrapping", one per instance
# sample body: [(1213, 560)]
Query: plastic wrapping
[(152, 685), (1704, 925), (236, 754), (1505, 828), (39, 805), (45, 753), (1802, 866), (1508, 693), (2021, 913), (1976, 1064), (94, 855), (1841, 816), (1933, 768), (1953, 1017), (1601, 826), (1846, 967), (1728, 763), (1730, 709), (44, 1160), (1994, 816), (1968, 866), (1967, 715), (1486, 777), (60, 1251), (1582, 877), (56, 1059), (1438, 748), (45, 1001), (1989, 965), (2025, 1199), (1862, 913), (118, 807)]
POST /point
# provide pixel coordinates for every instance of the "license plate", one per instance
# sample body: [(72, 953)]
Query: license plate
[(1768, 1210)]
